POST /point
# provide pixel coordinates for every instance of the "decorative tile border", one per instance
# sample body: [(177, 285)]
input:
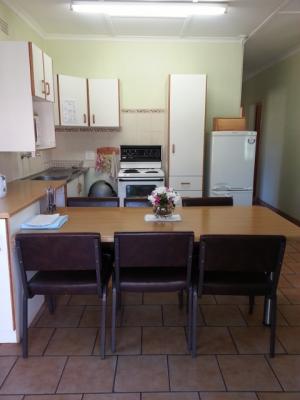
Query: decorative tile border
[(143, 110), (72, 129)]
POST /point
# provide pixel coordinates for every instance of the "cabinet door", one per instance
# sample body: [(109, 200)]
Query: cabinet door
[(38, 85), (187, 118), (104, 102), (49, 86), (72, 100)]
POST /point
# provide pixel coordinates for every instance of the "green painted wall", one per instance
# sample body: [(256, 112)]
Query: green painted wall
[(143, 68), (17, 28), (278, 88)]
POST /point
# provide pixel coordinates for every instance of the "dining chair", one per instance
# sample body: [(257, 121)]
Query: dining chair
[(93, 202), (152, 262), (137, 202), (239, 265), (65, 263), (206, 201)]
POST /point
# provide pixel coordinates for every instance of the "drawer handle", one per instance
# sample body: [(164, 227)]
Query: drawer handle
[(48, 88), (84, 118), (94, 119), (185, 183), (44, 87), (173, 148)]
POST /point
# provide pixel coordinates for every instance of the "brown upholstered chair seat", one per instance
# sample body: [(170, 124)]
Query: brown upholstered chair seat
[(147, 279), (236, 283)]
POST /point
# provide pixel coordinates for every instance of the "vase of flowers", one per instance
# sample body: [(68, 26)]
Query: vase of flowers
[(163, 200)]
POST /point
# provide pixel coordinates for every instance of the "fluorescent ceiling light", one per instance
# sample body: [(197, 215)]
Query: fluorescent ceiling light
[(148, 9)]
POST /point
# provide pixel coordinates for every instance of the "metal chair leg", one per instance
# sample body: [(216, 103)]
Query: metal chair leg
[(25, 327), (180, 298), (251, 304), (113, 320), (51, 303), (194, 323), (190, 310), (103, 323), (273, 326)]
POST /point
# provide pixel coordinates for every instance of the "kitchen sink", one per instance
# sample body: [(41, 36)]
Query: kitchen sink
[(49, 177)]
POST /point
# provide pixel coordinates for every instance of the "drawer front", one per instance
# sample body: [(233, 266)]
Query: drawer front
[(186, 183), (190, 193)]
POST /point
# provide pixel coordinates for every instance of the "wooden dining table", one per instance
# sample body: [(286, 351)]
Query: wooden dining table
[(253, 220)]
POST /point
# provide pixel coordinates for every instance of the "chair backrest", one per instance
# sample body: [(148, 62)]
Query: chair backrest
[(137, 202), (206, 201), (241, 253), (93, 202), (59, 252), (153, 250)]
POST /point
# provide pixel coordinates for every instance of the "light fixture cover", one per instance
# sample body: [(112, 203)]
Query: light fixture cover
[(148, 9)]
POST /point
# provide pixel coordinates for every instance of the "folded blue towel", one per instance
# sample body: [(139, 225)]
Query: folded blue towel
[(59, 221)]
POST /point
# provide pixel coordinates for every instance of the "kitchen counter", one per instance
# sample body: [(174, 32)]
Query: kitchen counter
[(22, 193)]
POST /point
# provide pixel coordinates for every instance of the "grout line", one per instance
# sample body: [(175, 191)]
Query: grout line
[(8, 373), (81, 316), (115, 373), (49, 340), (232, 338), (142, 334), (168, 370), (220, 369), (274, 373), (63, 370)]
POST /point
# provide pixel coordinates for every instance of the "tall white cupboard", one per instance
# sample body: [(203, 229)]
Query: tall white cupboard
[(187, 97)]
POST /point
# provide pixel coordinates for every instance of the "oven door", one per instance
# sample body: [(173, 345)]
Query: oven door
[(137, 188)]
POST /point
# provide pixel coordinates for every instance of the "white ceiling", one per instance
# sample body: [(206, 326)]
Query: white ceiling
[(271, 27)]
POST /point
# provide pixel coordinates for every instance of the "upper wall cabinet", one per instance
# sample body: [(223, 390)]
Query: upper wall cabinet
[(104, 102), (73, 102), (41, 74), (92, 102), (26, 122)]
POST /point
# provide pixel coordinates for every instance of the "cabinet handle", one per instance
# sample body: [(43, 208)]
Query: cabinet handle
[(48, 88), (185, 183), (94, 119), (84, 118), (44, 86), (173, 148)]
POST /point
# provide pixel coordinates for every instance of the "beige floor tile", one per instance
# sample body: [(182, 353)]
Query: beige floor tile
[(283, 282), (142, 374), (207, 299), (62, 300), (34, 375), (289, 337), (221, 315), (295, 257), (291, 313), (248, 373), (292, 294), (6, 364), (113, 396), (281, 298), (141, 316), (88, 375), (287, 370), (70, 341), (228, 396), (278, 396), (214, 340), (176, 316), (256, 318), (164, 340), (37, 342), (191, 374), (85, 300), (11, 397), (162, 298), (128, 341), (170, 396), (128, 298), (253, 340), (54, 397), (91, 317), (232, 300), (64, 316)]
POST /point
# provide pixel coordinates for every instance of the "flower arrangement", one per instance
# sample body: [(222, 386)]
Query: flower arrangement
[(163, 200)]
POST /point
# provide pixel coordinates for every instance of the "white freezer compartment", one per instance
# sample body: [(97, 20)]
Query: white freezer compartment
[(240, 197), (232, 159)]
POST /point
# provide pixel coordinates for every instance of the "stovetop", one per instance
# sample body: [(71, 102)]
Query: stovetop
[(141, 173)]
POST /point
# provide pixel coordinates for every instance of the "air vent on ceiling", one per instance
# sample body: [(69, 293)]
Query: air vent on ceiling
[(3, 26)]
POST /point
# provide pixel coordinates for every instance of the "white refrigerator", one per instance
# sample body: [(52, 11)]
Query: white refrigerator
[(231, 157)]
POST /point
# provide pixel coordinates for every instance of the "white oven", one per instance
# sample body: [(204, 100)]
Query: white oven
[(140, 171)]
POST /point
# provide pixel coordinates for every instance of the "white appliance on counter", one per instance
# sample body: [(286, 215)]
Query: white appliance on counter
[(140, 171), (231, 157)]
